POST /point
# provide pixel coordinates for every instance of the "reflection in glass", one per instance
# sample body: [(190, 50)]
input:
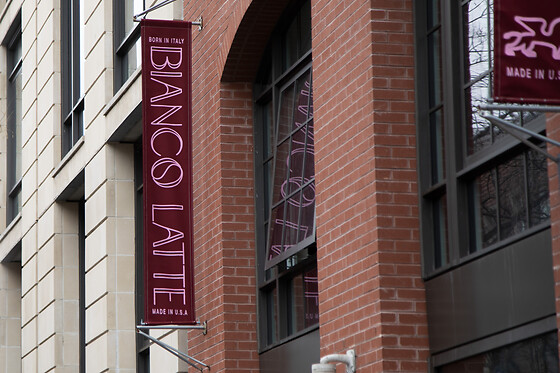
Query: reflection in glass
[(303, 301), (434, 62), (485, 204), (535, 355), (478, 24), (509, 199), (537, 184), (296, 39), (268, 130), (271, 316), (133, 59), (437, 136), (293, 202), (512, 201), (441, 252), (478, 46), (14, 126), (433, 13), (128, 47)]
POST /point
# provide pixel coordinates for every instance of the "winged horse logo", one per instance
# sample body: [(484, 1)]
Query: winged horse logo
[(537, 32)]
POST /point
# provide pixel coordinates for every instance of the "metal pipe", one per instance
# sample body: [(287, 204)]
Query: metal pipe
[(511, 128), (136, 17), (349, 360), (203, 327), (175, 352), (537, 108), (503, 122), (157, 6)]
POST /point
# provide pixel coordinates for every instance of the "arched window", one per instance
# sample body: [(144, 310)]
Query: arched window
[(285, 185)]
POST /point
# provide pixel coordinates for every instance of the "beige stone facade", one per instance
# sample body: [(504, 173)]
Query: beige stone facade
[(39, 261)]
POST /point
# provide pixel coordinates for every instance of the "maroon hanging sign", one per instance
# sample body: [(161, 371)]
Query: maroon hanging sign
[(527, 51), (167, 169)]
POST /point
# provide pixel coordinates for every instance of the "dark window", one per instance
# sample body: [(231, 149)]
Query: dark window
[(72, 27), (535, 355), (285, 179), (82, 284), (127, 39), (480, 188), (142, 343), (14, 119)]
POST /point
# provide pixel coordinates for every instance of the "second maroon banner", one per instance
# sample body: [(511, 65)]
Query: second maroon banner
[(167, 169), (526, 51)]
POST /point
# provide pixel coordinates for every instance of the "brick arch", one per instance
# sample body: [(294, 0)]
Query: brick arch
[(251, 24)]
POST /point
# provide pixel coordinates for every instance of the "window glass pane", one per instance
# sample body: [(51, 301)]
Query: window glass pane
[(303, 302), (128, 56), (290, 45), (17, 123), (441, 253), (512, 197), (15, 203), (481, 130), (267, 183), (275, 247), (305, 29), (484, 204), (307, 212), (14, 55), (73, 55), (81, 50), (291, 220), (435, 72), (132, 60), (268, 130), (537, 185), (294, 168), (311, 295), (14, 127), (478, 44), (433, 13), (478, 33), (271, 316), (437, 146), (286, 113), (301, 152), (131, 8), (280, 171), (535, 355), (309, 161)]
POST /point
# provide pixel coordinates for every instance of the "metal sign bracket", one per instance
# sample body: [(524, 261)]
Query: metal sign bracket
[(138, 17), (515, 130), (195, 363)]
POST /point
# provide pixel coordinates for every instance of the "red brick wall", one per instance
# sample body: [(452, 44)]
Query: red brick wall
[(223, 197), (371, 293)]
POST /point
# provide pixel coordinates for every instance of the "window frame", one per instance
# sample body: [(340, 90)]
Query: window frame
[(460, 167), (73, 93), (82, 284), (14, 69), (142, 343), (124, 41), (275, 320)]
